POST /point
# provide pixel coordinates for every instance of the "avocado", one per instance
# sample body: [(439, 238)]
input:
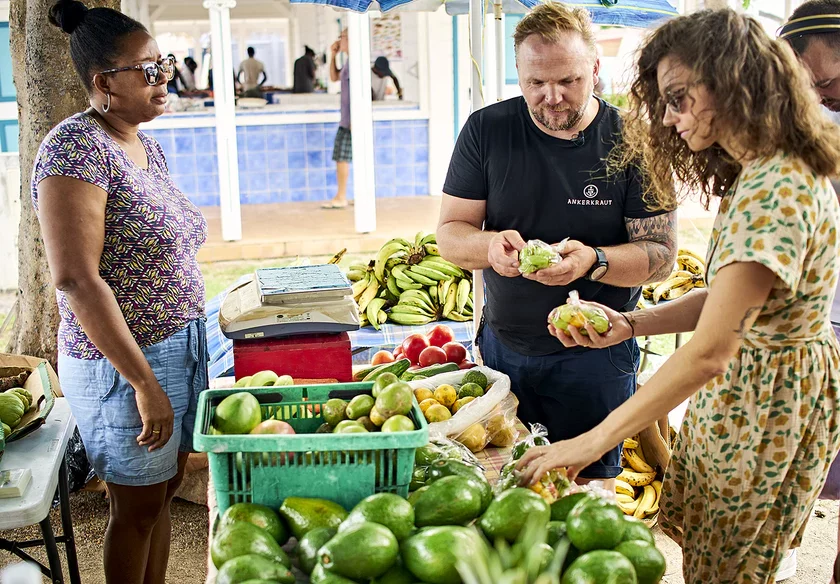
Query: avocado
[(600, 566), (507, 514), (432, 554), (386, 509), (635, 529), (359, 406), (412, 497), (321, 576), (452, 500), (253, 567), (446, 468), (426, 455), (309, 544), (648, 562), (240, 539), (398, 574), (556, 530), (561, 507), (303, 515), (362, 551), (259, 515), (595, 525)]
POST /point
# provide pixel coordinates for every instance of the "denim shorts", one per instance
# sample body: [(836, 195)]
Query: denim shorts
[(106, 412), (569, 392)]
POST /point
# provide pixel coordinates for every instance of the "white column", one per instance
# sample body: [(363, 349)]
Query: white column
[(477, 57), (361, 116), (224, 105), (144, 16)]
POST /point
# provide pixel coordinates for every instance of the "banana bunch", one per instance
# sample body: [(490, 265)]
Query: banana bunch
[(410, 284), (637, 489), (689, 274)]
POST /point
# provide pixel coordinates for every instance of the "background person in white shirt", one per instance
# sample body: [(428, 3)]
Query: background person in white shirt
[(380, 73), (252, 68)]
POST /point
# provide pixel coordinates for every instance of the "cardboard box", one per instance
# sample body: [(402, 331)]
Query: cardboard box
[(657, 452), (42, 383)]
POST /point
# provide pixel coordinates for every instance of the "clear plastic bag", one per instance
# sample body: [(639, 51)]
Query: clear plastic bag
[(552, 486), (489, 419), (577, 314), (538, 255)]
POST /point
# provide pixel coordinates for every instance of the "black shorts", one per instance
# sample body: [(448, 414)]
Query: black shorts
[(343, 147), (569, 392)]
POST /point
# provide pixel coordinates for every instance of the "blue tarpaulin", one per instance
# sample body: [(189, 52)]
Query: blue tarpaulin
[(631, 13)]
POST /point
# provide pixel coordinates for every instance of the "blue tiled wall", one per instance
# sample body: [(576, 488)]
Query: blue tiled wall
[(283, 163)]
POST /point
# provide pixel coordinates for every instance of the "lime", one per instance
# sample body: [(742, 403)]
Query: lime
[(646, 559)]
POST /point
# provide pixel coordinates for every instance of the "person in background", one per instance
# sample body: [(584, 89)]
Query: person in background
[(249, 75), (304, 72), (121, 243), (380, 74), (343, 146), (737, 119), (188, 74), (813, 31), (533, 167), (172, 84)]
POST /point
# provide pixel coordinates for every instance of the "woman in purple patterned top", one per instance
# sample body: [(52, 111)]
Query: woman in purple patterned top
[(121, 241)]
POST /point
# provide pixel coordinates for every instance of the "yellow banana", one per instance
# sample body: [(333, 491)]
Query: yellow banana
[(360, 286), (679, 291), (657, 486), (631, 443), (691, 264), (369, 294), (664, 287), (431, 249), (372, 311), (681, 274), (688, 252), (463, 294), (646, 501), (637, 479), (355, 275), (337, 257), (451, 299), (623, 488), (394, 246), (629, 508), (636, 462), (457, 317), (622, 498)]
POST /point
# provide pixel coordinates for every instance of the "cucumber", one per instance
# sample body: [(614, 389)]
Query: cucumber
[(397, 368), (433, 370)]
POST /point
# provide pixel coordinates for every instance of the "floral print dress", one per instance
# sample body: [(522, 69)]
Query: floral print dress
[(756, 444)]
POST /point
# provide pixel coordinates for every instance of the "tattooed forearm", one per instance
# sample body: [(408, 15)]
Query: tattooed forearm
[(742, 328), (657, 237)]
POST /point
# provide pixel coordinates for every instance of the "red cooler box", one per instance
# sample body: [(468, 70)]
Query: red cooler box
[(321, 356)]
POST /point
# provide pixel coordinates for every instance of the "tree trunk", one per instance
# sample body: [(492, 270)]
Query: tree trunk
[(48, 91)]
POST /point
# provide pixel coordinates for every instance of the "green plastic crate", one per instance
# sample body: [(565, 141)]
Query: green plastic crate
[(344, 468)]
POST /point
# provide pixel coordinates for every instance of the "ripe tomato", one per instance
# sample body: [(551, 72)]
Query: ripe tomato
[(440, 335), (432, 356), (413, 345), (466, 365), (382, 357), (455, 352)]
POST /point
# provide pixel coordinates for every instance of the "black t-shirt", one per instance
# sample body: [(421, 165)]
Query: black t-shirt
[(545, 188), (304, 75)]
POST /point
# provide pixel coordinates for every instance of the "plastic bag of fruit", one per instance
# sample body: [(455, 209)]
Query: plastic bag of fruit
[(551, 486), (577, 314), (474, 406), (538, 255)]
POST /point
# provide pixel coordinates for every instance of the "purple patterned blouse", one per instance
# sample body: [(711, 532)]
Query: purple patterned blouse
[(152, 234)]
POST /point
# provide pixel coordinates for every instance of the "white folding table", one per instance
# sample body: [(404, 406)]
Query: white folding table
[(43, 453)]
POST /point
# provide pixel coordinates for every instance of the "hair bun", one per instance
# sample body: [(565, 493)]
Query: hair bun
[(67, 15)]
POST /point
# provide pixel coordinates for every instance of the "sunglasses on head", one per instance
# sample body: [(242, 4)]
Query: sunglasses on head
[(151, 71)]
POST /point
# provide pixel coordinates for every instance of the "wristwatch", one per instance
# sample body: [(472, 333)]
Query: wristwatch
[(600, 267)]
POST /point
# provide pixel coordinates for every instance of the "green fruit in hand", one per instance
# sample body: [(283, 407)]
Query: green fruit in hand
[(595, 525), (360, 552), (238, 413), (508, 513), (600, 566), (359, 406), (577, 316), (309, 545), (241, 538), (334, 411), (387, 509), (636, 530), (263, 379), (382, 382), (259, 515), (648, 561), (395, 400), (398, 424)]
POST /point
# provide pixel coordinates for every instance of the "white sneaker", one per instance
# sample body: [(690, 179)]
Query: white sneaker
[(787, 569)]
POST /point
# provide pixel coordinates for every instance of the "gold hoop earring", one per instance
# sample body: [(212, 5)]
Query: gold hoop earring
[(108, 105)]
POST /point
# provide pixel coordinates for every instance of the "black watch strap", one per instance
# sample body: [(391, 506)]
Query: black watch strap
[(600, 267)]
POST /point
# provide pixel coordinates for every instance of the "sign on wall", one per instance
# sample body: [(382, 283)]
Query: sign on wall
[(386, 37)]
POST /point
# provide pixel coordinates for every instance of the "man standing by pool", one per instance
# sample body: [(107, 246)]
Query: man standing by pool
[(343, 148)]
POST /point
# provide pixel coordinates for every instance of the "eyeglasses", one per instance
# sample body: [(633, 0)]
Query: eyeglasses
[(151, 71), (675, 100)]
